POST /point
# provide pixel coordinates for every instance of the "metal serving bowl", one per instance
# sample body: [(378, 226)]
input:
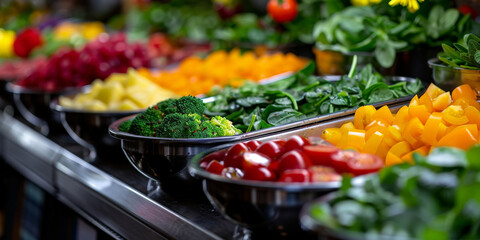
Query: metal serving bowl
[(448, 78), (90, 128), (265, 208), (34, 105)]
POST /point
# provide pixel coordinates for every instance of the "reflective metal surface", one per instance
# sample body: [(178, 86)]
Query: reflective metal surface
[(449, 78), (89, 128), (34, 106)]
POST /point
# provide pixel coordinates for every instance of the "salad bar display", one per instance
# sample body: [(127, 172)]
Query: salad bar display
[(180, 119)]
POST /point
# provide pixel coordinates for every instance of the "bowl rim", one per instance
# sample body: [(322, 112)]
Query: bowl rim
[(436, 63), (196, 171)]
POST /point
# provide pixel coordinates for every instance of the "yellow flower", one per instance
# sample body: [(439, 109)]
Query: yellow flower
[(364, 2), (412, 5)]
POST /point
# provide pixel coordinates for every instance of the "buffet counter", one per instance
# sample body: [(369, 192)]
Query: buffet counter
[(108, 192)]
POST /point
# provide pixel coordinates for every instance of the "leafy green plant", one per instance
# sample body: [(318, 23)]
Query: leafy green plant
[(464, 55), (303, 96)]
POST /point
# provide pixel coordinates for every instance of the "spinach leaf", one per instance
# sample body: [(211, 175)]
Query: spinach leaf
[(284, 116)]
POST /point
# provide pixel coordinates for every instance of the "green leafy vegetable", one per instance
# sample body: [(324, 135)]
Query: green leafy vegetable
[(466, 54)]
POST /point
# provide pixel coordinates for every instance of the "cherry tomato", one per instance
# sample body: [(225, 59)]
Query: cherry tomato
[(259, 174), (282, 11), (254, 160), (294, 159), (272, 149), (253, 145), (465, 9), (296, 142), (234, 154), (364, 163), (295, 175), (323, 174), (233, 173), (340, 160), (215, 167), (218, 155), (320, 154), (273, 166)]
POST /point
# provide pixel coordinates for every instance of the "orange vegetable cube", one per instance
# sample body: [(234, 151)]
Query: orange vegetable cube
[(454, 115), (355, 139), (402, 117), (429, 135), (464, 102), (363, 116), (464, 91), (473, 115), (415, 101), (413, 131), (442, 101), (373, 143), (427, 102), (385, 114), (462, 137), (433, 91), (392, 159), (424, 150), (332, 135), (420, 111)]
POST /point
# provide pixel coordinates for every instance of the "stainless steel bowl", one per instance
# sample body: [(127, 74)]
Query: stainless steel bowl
[(34, 105), (90, 128), (448, 78), (266, 208)]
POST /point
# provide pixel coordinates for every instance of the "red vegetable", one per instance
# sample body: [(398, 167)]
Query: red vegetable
[(465, 9), (296, 142), (321, 154), (293, 160), (215, 167), (259, 174), (233, 158), (295, 175), (282, 11), (254, 160), (27, 41), (253, 145), (363, 164), (272, 149)]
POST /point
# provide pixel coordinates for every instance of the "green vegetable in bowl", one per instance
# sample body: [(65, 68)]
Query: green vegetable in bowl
[(303, 96), (437, 198), (182, 118), (464, 55)]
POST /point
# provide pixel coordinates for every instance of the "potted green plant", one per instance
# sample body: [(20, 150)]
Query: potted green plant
[(459, 64)]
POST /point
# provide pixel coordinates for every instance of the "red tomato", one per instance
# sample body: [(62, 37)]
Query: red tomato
[(218, 155), (233, 173), (215, 167), (323, 174), (273, 166), (259, 174), (234, 154), (296, 142), (364, 163), (253, 145), (465, 9), (320, 154), (340, 160), (282, 11), (254, 160), (272, 149), (294, 159), (295, 175)]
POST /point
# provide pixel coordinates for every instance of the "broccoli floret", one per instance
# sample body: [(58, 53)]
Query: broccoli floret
[(178, 125), (224, 127), (163, 105), (125, 126), (186, 105), (147, 123)]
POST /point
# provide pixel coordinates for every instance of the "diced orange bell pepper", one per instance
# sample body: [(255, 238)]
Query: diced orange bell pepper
[(454, 115), (363, 116), (415, 101), (373, 143), (395, 153), (473, 115), (355, 139), (464, 91), (424, 150), (442, 101), (383, 113), (429, 135), (377, 122), (402, 117), (382, 150), (427, 102), (369, 133), (442, 130), (395, 133), (420, 111), (413, 131), (462, 137), (346, 127), (332, 135), (464, 102), (433, 91)]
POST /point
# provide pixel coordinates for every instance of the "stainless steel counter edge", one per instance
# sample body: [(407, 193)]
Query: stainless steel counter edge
[(109, 200)]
